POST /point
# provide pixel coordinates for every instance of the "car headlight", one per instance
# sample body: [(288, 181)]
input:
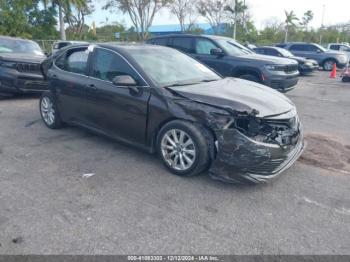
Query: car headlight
[(308, 63), (223, 120), (275, 67), (8, 64)]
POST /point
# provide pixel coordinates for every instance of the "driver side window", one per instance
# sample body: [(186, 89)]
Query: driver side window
[(203, 46), (107, 65)]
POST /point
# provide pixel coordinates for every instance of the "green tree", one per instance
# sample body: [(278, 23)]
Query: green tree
[(290, 22), (213, 11), (235, 12), (25, 18), (64, 8), (307, 18), (141, 12)]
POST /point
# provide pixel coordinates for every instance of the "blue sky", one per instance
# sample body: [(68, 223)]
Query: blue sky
[(336, 11)]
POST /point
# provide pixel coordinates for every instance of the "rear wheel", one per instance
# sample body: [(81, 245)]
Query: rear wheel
[(183, 148), (250, 77), (49, 112), (328, 64)]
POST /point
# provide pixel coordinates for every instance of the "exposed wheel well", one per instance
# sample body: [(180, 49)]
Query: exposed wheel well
[(242, 72), (209, 133), (329, 59)]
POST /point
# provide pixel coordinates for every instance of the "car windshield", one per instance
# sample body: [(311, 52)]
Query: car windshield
[(169, 67), (232, 47), (285, 52), (19, 46)]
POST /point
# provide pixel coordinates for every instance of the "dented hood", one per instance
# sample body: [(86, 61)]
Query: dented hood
[(239, 96)]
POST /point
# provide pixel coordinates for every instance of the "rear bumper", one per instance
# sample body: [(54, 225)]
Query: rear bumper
[(12, 81), (243, 160)]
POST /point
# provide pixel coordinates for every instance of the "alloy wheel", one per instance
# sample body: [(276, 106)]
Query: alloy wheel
[(178, 149), (47, 111)]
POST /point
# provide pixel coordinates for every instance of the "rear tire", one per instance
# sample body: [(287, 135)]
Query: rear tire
[(328, 64), (183, 148), (250, 77), (49, 111)]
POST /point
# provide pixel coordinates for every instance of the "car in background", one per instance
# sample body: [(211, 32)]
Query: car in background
[(20, 66), (343, 47), (306, 66), (161, 100), (231, 59), (325, 58), (60, 44)]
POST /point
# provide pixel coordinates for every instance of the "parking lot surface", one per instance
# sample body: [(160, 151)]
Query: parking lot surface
[(70, 192)]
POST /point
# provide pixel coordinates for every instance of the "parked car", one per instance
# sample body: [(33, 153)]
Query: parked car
[(20, 66), (164, 101), (343, 47), (305, 66), (232, 59), (325, 58), (60, 44)]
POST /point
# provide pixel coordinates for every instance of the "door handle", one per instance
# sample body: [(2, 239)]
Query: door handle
[(92, 87)]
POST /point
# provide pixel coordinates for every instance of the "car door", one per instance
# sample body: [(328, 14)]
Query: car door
[(300, 50), (120, 112), (68, 77), (203, 47)]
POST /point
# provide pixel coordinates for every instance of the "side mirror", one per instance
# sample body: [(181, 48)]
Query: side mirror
[(319, 51), (124, 81), (217, 52)]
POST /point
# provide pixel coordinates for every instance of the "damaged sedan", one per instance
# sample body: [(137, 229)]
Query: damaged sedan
[(165, 102)]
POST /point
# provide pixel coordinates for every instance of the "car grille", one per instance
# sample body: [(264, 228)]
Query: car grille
[(290, 69), (286, 130), (29, 68)]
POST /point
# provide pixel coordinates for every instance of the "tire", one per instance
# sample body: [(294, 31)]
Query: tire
[(328, 64), (197, 150), (49, 111), (346, 79), (250, 77)]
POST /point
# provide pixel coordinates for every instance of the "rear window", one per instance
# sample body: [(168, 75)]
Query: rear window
[(183, 44)]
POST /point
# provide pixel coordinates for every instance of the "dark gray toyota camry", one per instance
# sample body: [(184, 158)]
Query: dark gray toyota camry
[(163, 101)]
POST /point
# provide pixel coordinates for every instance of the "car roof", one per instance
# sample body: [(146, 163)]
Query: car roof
[(185, 35)]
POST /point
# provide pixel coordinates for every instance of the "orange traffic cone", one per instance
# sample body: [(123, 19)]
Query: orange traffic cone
[(334, 71)]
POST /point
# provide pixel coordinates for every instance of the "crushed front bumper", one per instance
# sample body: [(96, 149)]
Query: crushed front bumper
[(241, 159)]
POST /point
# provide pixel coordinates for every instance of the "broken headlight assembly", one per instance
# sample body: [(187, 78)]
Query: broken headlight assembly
[(280, 132)]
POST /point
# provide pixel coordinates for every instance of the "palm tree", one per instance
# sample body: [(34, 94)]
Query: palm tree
[(64, 8), (238, 8), (290, 19)]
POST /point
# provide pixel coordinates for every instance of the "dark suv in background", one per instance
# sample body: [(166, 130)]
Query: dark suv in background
[(231, 59), (325, 58), (20, 66)]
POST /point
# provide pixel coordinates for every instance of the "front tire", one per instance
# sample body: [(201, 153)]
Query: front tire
[(183, 148), (49, 112)]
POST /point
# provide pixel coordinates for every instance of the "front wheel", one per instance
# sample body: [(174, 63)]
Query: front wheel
[(49, 112), (183, 148)]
